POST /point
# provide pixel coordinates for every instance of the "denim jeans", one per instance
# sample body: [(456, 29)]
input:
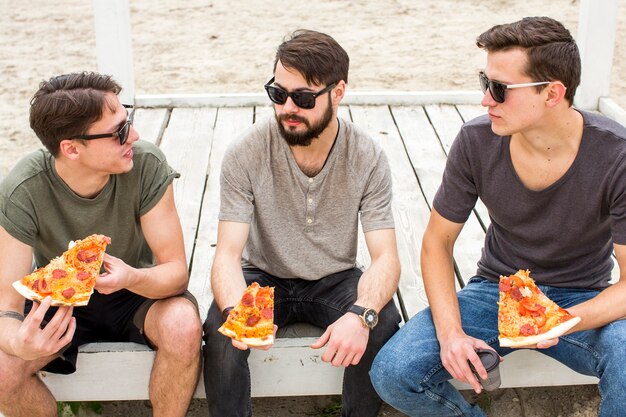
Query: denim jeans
[(408, 373), (226, 372)]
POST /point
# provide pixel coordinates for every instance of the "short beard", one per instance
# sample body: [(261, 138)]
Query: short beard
[(304, 138)]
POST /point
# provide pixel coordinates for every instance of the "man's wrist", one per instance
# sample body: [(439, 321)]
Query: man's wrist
[(12, 315), (225, 313)]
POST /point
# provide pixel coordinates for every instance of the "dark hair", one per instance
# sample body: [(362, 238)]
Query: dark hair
[(551, 49), (317, 56), (66, 105)]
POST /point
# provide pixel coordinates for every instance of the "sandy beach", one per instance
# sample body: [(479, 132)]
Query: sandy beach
[(201, 46)]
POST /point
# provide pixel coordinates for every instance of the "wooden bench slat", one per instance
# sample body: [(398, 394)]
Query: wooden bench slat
[(150, 123), (187, 145), (410, 209)]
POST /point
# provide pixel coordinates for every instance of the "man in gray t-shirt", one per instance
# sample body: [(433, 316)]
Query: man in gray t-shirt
[(554, 181), (292, 190)]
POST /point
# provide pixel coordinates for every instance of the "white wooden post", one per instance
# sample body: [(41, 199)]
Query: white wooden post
[(113, 44), (597, 23)]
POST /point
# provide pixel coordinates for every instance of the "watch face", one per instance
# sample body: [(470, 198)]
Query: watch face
[(371, 318)]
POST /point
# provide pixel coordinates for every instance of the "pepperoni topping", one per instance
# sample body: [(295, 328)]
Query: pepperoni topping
[(43, 285), (261, 300), (59, 273), (36, 285), (87, 255), (540, 318), (82, 275), (68, 293), (528, 330), (504, 286), (252, 321), (516, 294), (267, 313), (247, 300)]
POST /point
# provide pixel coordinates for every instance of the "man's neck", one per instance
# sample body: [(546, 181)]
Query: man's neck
[(86, 184), (311, 159), (559, 132)]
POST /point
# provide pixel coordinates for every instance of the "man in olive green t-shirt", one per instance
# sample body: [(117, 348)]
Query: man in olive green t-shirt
[(94, 177)]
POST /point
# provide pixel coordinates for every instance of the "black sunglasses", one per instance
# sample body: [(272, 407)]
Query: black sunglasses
[(121, 133), (302, 99), (497, 89)]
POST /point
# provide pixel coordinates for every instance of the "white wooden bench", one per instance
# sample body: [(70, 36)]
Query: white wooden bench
[(416, 137)]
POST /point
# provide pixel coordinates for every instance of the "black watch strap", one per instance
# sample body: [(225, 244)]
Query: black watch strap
[(357, 309)]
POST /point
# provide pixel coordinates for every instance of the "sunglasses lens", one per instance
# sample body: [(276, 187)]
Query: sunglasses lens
[(277, 95), (304, 100), (497, 91), (484, 82), (123, 133)]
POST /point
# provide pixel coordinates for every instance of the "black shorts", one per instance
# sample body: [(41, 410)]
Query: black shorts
[(117, 317)]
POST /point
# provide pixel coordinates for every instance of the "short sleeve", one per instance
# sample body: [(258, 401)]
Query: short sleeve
[(375, 208), (156, 176), (617, 203), (457, 194), (236, 194), (17, 218)]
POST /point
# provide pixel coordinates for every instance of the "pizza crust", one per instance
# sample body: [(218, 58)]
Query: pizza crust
[(32, 295), (534, 339), (250, 341)]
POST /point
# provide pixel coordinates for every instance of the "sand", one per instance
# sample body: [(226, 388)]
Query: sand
[(218, 46)]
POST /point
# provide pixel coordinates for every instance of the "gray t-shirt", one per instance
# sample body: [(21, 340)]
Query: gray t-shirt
[(303, 227), (40, 210), (564, 233)]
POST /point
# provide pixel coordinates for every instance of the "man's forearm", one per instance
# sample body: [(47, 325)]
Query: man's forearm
[(379, 282), (227, 281), (603, 309), (160, 281)]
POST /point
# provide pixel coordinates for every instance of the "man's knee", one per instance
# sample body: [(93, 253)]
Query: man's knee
[(177, 325)]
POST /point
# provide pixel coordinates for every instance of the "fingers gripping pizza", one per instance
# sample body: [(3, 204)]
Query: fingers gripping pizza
[(68, 279), (526, 315), (252, 320)]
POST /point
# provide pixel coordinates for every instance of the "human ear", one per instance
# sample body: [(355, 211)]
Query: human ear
[(556, 93), (339, 92), (68, 148)]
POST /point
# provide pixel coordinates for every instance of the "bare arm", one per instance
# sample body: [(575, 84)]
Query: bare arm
[(380, 281), (346, 337), (609, 305), (25, 339), (227, 280), (438, 273), (162, 230)]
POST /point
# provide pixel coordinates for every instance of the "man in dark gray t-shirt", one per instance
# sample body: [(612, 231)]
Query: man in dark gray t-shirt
[(293, 188), (554, 181)]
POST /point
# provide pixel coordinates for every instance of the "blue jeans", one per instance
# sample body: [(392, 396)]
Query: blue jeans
[(408, 373), (226, 372)]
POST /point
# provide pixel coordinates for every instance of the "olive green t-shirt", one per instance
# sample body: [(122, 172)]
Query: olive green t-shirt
[(39, 209)]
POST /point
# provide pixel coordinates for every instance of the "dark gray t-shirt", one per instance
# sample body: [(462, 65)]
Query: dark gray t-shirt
[(303, 227), (564, 233)]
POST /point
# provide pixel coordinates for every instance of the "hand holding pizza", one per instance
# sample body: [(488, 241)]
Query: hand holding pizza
[(116, 276), (456, 351), (33, 342), (346, 338)]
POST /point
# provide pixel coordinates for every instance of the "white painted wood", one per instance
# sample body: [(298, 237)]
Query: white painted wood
[(597, 23), (114, 50), (187, 144), (150, 123), (611, 109), (409, 208), (352, 97), (229, 124)]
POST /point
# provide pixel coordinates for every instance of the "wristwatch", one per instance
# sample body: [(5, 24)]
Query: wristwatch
[(368, 316)]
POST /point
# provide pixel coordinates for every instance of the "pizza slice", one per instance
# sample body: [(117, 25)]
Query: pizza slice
[(252, 320), (68, 279), (526, 315)]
